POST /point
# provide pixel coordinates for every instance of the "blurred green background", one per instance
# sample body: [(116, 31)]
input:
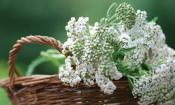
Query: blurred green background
[(48, 17)]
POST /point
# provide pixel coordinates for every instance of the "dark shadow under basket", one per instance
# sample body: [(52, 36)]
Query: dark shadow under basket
[(49, 90)]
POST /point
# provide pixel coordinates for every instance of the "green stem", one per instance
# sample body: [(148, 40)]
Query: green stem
[(34, 64), (111, 18)]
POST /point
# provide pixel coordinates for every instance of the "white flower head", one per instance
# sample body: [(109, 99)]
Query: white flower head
[(124, 38), (105, 84), (94, 29), (77, 28), (122, 44)]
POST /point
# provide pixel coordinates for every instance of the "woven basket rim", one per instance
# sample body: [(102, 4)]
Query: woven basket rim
[(31, 80), (48, 79)]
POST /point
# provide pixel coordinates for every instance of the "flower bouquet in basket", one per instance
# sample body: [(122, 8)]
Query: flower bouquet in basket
[(99, 60)]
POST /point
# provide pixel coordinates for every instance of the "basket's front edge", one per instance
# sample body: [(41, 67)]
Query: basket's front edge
[(49, 90)]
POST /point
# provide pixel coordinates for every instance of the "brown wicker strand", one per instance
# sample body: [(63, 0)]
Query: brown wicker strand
[(29, 40)]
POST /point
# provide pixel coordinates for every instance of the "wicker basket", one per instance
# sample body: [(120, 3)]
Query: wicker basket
[(49, 90)]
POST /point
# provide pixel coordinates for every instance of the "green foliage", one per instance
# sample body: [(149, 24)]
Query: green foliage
[(131, 72), (111, 10), (154, 19), (121, 52), (50, 55), (3, 74), (34, 64)]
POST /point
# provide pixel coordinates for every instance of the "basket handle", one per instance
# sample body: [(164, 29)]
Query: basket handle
[(38, 39)]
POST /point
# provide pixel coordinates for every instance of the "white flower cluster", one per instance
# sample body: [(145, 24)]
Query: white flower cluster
[(76, 32), (158, 88), (91, 59), (69, 75), (146, 37), (123, 44), (77, 28)]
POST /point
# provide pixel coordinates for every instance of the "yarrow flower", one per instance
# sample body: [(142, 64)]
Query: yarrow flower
[(158, 88), (122, 44), (126, 14)]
